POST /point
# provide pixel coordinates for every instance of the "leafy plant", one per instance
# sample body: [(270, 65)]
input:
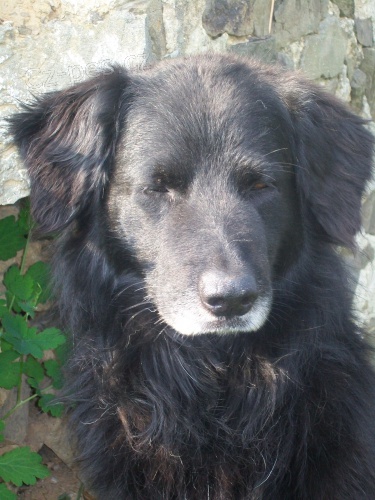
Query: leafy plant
[(22, 347)]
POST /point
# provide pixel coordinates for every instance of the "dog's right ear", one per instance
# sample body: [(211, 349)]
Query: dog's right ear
[(334, 161), (67, 140)]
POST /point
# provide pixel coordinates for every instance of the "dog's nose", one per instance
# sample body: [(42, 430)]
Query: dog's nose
[(227, 295)]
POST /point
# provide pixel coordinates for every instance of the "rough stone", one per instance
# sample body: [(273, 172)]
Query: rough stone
[(184, 32), (343, 89), (346, 7), (237, 17), (365, 291), (259, 48), (44, 429), (365, 32), (41, 65), (291, 55), (364, 9), (368, 214), (14, 181), (354, 51), (358, 85), (296, 18), (324, 53), (368, 67), (358, 79), (156, 30)]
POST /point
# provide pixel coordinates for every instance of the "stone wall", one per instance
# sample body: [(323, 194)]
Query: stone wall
[(49, 44)]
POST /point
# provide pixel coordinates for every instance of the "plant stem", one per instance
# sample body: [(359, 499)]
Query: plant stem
[(80, 491), (25, 250), (20, 380), (24, 401)]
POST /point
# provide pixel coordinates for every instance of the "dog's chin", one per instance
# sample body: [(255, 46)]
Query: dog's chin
[(193, 322)]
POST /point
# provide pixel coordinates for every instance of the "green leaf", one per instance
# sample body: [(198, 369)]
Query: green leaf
[(33, 369), (6, 494), (11, 238), (40, 273), (50, 338), (5, 346), (12, 302), (48, 403), (3, 308), (22, 465), (9, 370), (28, 307), (23, 339), (24, 218), (53, 370), (34, 384), (27, 340), (21, 285)]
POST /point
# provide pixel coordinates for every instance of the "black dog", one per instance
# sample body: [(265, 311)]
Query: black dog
[(215, 354)]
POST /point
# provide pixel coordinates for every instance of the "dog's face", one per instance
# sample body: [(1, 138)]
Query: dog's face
[(207, 171), (204, 195)]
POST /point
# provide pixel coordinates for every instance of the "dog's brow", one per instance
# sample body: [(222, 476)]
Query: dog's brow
[(258, 162), (257, 166), (173, 177)]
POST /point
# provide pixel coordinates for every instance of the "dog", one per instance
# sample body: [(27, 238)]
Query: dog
[(199, 204)]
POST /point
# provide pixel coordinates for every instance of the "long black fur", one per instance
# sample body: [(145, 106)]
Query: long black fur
[(282, 412)]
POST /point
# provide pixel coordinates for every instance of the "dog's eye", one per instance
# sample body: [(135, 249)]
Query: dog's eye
[(259, 185), (157, 186), (249, 182), (155, 190)]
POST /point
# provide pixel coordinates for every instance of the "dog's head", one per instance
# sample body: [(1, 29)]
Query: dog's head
[(212, 172)]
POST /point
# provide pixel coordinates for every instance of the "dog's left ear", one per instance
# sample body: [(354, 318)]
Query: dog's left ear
[(67, 140), (334, 162)]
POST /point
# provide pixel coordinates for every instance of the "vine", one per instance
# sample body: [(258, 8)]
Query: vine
[(23, 346)]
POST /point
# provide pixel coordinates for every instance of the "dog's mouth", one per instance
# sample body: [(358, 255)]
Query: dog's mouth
[(195, 320)]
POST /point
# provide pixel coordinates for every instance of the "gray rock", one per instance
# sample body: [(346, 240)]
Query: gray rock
[(236, 17), (354, 51), (365, 291), (296, 18), (324, 53), (368, 214), (156, 29), (358, 85), (53, 432), (364, 32), (346, 7), (358, 80), (60, 53), (184, 33), (368, 67), (259, 48), (285, 60)]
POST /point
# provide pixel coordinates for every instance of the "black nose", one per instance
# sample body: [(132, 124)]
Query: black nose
[(227, 295)]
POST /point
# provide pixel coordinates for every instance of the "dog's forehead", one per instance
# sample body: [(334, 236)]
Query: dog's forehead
[(190, 113), (207, 98)]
